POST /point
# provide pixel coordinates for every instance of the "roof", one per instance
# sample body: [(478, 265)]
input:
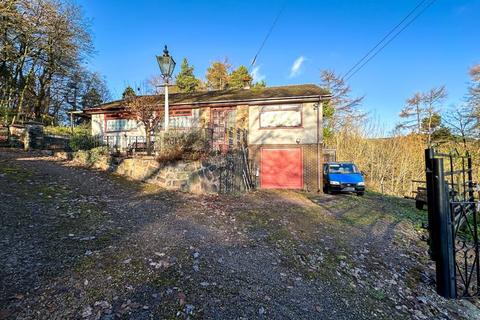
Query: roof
[(299, 93)]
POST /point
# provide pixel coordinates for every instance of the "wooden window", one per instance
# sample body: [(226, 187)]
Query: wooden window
[(281, 116)]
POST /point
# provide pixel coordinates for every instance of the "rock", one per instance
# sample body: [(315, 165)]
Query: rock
[(160, 264), (87, 312), (261, 311), (181, 298), (422, 299), (87, 238), (419, 314), (102, 305), (189, 309)]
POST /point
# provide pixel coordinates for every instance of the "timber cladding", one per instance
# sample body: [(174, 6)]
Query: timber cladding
[(309, 154)]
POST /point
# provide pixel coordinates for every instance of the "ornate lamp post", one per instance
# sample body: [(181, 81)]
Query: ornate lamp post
[(167, 65)]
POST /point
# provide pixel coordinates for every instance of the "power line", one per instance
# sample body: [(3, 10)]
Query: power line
[(267, 35), (385, 37), (391, 39)]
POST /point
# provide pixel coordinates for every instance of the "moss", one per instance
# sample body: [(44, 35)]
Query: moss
[(377, 294), (15, 173)]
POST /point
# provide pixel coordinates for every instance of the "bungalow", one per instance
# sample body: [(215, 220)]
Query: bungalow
[(284, 126)]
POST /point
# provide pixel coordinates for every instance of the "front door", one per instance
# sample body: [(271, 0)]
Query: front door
[(223, 119)]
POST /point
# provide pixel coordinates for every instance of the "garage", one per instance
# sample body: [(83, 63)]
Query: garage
[(281, 168)]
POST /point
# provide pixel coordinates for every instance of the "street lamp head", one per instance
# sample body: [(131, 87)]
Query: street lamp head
[(166, 64)]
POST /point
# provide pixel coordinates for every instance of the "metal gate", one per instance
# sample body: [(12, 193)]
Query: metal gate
[(453, 223)]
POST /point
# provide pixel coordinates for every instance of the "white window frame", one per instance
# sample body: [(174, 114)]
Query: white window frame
[(282, 113)]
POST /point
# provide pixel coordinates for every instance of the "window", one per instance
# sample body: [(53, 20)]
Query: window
[(345, 168), (281, 116), (181, 118), (117, 125), (181, 122)]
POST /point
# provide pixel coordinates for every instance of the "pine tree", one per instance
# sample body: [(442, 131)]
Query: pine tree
[(239, 78), (128, 93), (217, 75), (260, 84), (186, 80)]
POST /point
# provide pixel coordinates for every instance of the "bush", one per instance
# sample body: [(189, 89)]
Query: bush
[(183, 145), (92, 156), (82, 129), (82, 142)]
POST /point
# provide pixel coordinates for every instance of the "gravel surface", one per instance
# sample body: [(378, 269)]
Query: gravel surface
[(82, 244)]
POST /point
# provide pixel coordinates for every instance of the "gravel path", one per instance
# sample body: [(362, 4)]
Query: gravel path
[(83, 244)]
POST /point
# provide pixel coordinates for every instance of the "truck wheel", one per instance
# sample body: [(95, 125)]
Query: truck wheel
[(361, 193)]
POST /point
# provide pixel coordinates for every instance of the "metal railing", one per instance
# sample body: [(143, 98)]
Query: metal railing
[(453, 224)]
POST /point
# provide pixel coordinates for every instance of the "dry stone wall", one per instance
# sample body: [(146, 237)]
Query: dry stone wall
[(200, 176)]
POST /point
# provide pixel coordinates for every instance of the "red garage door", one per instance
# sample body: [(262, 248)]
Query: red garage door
[(281, 169)]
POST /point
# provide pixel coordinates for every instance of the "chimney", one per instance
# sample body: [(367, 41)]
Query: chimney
[(246, 83)]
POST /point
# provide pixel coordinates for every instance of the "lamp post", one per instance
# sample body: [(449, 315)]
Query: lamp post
[(166, 64)]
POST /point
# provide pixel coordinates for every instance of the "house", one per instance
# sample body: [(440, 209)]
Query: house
[(284, 126)]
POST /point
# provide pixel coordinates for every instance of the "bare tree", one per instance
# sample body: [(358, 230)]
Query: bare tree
[(342, 109), (44, 45), (412, 109), (146, 110), (421, 113), (432, 101), (473, 97), (462, 123)]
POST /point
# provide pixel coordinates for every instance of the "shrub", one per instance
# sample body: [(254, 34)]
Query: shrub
[(82, 129), (92, 156), (190, 144), (82, 142)]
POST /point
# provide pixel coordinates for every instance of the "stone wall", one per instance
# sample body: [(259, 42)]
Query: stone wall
[(189, 176)]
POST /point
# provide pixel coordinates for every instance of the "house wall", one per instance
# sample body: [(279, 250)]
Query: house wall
[(98, 121), (306, 134), (200, 118), (287, 138), (241, 117)]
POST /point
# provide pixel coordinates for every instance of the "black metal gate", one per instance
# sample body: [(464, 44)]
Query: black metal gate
[(453, 223)]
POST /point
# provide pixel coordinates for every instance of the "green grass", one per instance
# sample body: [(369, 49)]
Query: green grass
[(15, 173)]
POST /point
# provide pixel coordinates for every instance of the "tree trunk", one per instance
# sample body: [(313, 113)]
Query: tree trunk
[(148, 142)]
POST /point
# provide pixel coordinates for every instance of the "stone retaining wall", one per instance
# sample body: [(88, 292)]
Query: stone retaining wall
[(189, 176)]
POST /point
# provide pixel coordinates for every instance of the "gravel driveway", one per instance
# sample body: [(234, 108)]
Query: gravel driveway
[(82, 244)]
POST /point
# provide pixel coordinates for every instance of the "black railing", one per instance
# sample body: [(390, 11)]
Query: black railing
[(453, 223)]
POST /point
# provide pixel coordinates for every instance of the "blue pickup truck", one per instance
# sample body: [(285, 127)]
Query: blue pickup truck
[(342, 177)]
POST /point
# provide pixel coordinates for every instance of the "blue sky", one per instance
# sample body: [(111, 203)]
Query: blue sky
[(437, 49)]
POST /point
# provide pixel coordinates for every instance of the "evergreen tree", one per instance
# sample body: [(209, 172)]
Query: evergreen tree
[(239, 78), (91, 98), (217, 75), (186, 80), (128, 93), (260, 84)]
